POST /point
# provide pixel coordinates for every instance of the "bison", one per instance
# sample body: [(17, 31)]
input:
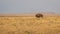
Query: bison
[(39, 15)]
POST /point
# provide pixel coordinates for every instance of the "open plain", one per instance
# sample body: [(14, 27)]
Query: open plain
[(49, 24)]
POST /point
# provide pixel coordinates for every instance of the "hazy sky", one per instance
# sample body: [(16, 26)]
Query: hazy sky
[(28, 6)]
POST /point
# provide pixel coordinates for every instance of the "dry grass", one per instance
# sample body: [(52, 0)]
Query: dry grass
[(30, 25)]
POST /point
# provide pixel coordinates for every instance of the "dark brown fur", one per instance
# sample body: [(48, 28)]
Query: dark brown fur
[(39, 15)]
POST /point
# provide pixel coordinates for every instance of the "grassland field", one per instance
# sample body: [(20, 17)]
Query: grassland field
[(29, 25)]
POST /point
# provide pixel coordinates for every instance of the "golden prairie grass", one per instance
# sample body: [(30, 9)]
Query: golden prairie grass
[(29, 25)]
